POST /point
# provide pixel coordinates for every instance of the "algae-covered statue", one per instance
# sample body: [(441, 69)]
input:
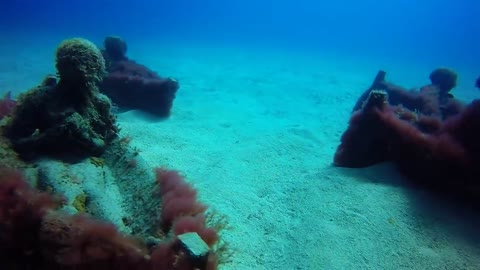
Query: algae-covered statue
[(68, 116), (131, 85)]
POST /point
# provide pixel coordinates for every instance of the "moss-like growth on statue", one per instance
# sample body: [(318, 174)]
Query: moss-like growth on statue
[(79, 64), (67, 118)]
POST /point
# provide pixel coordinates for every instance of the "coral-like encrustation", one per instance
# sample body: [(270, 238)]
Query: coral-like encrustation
[(70, 117), (36, 236), (79, 64), (134, 86), (443, 155), (434, 99), (8, 157)]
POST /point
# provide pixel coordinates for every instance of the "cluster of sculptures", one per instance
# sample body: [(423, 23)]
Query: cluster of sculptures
[(430, 135)]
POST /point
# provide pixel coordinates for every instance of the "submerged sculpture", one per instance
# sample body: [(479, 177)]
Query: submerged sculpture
[(134, 86), (434, 99), (68, 117), (142, 228), (440, 151)]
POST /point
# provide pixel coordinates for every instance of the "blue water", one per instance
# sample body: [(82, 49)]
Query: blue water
[(442, 31), (232, 59)]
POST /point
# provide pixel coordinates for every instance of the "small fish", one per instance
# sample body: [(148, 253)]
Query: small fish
[(477, 83)]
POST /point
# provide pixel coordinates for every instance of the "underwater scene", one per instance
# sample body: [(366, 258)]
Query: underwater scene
[(239, 135)]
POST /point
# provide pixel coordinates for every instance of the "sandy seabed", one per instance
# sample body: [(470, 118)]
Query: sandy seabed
[(255, 131)]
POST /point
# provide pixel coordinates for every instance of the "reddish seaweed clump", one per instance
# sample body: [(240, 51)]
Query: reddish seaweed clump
[(34, 235), (443, 156)]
